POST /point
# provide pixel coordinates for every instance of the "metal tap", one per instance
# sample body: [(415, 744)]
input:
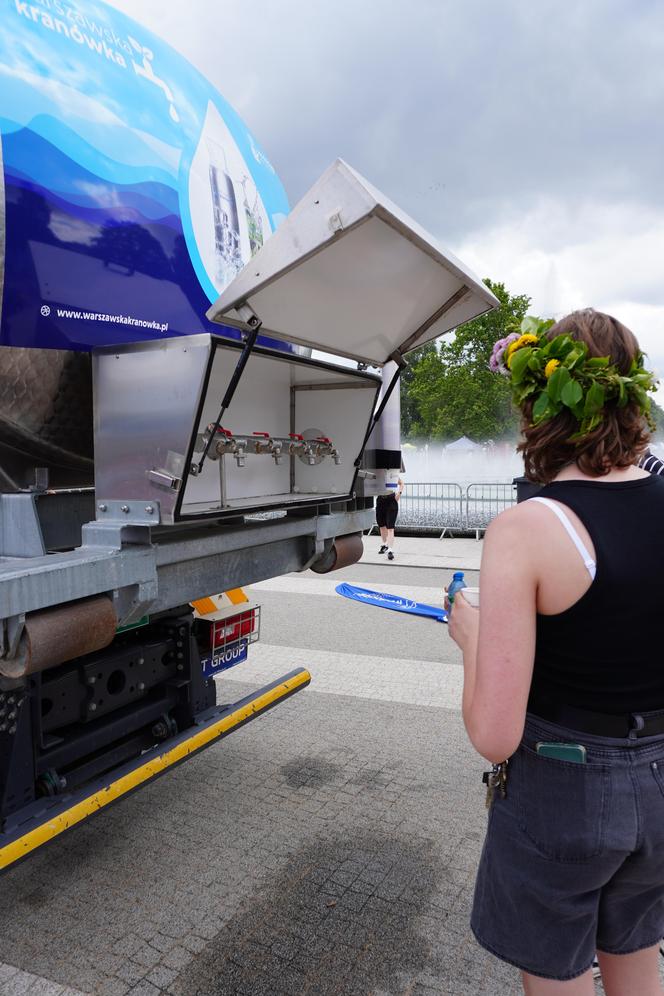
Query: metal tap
[(235, 445), (296, 444), (274, 445), (325, 448)]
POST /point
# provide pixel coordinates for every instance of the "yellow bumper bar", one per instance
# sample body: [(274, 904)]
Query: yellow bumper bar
[(150, 766)]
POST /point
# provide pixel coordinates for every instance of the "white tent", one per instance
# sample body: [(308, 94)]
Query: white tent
[(462, 445)]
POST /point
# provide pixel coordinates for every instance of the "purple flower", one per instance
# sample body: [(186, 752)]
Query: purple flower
[(496, 361)]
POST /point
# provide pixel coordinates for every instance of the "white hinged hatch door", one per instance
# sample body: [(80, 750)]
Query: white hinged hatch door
[(348, 273)]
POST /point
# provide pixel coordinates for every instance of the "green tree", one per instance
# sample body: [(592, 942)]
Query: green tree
[(449, 391), (410, 411), (657, 413)]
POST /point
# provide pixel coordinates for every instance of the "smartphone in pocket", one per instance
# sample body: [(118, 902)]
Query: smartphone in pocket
[(562, 752)]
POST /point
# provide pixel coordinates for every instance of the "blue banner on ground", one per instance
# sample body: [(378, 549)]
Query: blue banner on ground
[(396, 602)]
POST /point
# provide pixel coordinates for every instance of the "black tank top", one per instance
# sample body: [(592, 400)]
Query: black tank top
[(606, 652)]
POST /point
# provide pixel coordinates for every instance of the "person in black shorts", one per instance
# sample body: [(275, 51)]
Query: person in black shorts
[(387, 510)]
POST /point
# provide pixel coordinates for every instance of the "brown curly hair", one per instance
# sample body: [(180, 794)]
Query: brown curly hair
[(620, 438)]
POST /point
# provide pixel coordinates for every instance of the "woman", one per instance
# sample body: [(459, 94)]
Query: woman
[(566, 650)]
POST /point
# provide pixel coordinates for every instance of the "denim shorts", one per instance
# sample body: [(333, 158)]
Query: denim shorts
[(573, 860)]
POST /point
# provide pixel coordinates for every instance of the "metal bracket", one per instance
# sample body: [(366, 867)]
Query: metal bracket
[(20, 530), (12, 631), (248, 315), (129, 513), (134, 601), (319, 546), (163, 479), (335, 221)]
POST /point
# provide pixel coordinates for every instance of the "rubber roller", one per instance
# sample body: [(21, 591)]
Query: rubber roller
[(345, 550), (53, 636)]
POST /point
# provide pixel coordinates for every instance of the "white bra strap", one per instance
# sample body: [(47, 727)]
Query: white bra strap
[(588, 561)]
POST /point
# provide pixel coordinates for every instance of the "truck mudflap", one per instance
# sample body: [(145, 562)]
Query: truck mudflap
[(47, 818)]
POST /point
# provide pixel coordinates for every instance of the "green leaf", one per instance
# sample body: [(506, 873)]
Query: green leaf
[(531, 325), (557, 381), (640, 396), (594, 399), (557, 347), (598, 361), (573, 357), (541, 408), (520, 363), (571, 394)]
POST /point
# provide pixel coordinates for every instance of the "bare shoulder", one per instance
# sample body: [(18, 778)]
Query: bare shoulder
[(514, 520), (519, 535)]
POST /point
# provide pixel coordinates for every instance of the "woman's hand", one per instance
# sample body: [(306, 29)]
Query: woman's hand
[(463, 622)]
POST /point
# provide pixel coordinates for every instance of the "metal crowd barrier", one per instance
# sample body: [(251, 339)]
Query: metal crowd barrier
[(448, 507)]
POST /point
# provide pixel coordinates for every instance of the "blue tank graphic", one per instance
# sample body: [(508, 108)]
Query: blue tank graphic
[(133, 192)]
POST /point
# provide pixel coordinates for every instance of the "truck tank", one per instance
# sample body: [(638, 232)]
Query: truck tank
[(136, 337), (45, 407)]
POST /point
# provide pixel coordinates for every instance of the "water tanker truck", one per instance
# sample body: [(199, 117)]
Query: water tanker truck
[(192, 378)]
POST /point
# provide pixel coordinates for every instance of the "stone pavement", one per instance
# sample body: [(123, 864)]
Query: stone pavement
[(327, 848), (415, 551)]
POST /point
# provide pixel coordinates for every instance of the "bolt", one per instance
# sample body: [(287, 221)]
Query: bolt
[(124, 508), (149, 509), (12, 730), (10, 700), (140, 661), (179, 656), (92, 707), (102, 507), (179, 643), (180, 667), (91, 679), (141, 686), (12, 716), (3, 727)]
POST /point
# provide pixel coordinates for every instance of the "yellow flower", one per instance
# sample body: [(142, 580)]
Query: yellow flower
[(524, 340), (550, 367)]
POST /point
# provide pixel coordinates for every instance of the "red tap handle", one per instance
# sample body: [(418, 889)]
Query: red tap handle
[(265, 434), (322, 439), (295, 435), (226, 432)]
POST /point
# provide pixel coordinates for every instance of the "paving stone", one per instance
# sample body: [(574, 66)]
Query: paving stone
[(161, 976), (327, 848), (145, 989)]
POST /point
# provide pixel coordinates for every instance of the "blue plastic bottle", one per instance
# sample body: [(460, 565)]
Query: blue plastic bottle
[(457, 584)]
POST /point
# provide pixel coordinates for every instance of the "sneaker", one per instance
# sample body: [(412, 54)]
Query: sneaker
[(390, 555), (383, 549)]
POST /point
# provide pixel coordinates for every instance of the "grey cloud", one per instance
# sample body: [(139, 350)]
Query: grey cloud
[(465, 114)]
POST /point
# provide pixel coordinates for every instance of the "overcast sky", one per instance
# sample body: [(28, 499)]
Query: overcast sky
[(527, 137)]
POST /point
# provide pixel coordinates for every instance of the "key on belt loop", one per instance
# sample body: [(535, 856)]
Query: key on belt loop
[(639, 724)]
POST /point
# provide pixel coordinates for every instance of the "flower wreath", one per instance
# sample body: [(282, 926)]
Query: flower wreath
[(558, 373)]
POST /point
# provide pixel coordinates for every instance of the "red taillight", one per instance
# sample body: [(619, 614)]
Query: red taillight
[(234, 628)]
